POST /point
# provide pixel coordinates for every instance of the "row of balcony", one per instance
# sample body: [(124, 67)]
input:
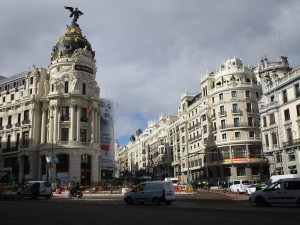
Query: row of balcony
[(228, 126), (8, 126)]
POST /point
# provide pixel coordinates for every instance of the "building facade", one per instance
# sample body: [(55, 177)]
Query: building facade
[(50, 120), (216, 135), (280, 115)]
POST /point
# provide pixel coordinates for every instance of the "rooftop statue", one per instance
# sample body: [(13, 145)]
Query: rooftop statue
[(75, 13)]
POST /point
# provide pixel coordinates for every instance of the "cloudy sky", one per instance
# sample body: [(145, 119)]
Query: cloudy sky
[(150, 52)]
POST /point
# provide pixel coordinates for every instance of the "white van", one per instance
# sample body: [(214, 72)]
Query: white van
[(284, 191), (275, 178), (151, 191), (174, 180), (35, 189)]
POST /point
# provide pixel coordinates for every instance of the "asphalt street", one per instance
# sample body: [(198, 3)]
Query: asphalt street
[(198, 208)]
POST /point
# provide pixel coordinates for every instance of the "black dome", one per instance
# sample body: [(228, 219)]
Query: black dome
[(71, 41)]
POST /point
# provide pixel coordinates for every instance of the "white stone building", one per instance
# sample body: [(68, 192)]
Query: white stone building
[(280, 115), (54, 114)]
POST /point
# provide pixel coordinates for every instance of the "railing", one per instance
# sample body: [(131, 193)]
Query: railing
[(25, 121), (10, 149), (291, 143), (222, 113)]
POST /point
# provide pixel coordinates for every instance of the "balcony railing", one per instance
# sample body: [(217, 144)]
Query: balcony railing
[(222, 114), (291, 143), (8, 126), (25, 121), (10, 149)]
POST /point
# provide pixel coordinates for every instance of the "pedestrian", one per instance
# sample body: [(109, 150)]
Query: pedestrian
[(258, 185)]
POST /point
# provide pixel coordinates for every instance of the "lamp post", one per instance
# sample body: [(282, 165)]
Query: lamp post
[(51, 162)]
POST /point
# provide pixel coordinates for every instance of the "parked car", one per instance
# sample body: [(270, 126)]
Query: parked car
[(285, 191), (252, 188), (240, 186), (35, 189), (151, 191)]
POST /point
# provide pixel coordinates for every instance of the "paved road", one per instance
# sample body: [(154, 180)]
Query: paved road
[(208, 208)]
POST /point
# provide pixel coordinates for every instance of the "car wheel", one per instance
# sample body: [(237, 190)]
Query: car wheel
[(260, 201), (168, 202), (129, 200), (156, 201), (70, 195)]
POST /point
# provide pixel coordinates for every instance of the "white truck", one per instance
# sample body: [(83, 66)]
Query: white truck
[(240, 186), (174, 180), (275, 178)]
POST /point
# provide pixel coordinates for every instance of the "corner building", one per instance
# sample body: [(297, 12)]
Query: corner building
[(53, 114), (222, 135)]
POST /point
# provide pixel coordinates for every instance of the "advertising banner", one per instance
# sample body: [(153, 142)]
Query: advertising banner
[(107, 134)]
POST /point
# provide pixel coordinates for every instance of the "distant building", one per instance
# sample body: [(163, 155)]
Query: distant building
[(215, 136), (280, 115)]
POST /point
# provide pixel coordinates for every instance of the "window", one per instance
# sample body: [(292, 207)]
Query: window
[(26, 115), (251, 134), (9, 120), (250, 121), (292, 157), (8, 141), (236, 122), (287, 114), (65, 134), (25, 138), (223, 125), (83, 88), (272, 98), (284, 96), (297, 90), (224, 136), (205, 129), (247, 93), (249, 107), (289, 135), (3, 99), (66, 87), (233, 94), (235, 108), (213, 99), (12, 97), (221, 97), (240, 171), (83, 135), (227, 172), (222, 111), (257, 95), (1, 121), (267, 140), (237, 135), (274, 138), (255, 170), (298, 110), (272, 119), (19, 118), (65, 113), (83, 117)]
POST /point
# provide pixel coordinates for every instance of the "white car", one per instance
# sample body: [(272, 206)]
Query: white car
[(285, 191), (252, 188)]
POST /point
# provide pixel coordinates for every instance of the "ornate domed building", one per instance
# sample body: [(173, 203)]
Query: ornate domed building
[(53, 131)]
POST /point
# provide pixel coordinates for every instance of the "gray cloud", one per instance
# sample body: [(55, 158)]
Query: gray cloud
[(150, 52)]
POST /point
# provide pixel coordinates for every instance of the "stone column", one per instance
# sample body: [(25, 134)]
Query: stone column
[(92, 125), (78, 123), (43, 126), (72, 123), (55, 125)]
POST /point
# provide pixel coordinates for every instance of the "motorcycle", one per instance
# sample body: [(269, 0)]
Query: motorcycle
[(75, 194)]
